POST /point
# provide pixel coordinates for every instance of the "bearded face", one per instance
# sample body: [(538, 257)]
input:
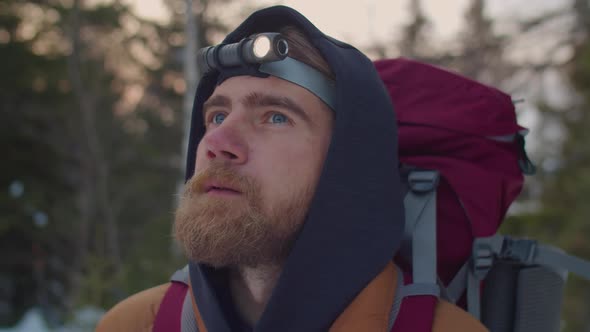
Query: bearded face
[(257, 167)]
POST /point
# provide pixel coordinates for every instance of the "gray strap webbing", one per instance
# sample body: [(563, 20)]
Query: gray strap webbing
[(483, 255), (188, 321), (444, 294), (457, 286), (553, 257), (181, 275), (424, 243), (413, 206), (473, 296), (418, 289), (398, 298), (420, 206), (528, 252), (420, 236)]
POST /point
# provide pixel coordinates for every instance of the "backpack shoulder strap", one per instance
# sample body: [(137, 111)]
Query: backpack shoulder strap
[(413, 310), (419, 307), (175, 313), (170, 310), (446, 317), (420, 233)]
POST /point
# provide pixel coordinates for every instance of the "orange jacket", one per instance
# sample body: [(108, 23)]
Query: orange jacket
[(369, 311)]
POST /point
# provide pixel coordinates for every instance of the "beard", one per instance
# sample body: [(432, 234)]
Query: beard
[(236, 230)]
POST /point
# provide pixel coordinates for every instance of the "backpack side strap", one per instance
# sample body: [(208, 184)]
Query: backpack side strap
[(524, 252), (553, 257)]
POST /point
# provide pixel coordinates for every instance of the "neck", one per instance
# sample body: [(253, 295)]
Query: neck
[(251, 288)]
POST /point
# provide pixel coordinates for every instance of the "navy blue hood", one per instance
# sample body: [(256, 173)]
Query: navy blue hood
[(355, 222)]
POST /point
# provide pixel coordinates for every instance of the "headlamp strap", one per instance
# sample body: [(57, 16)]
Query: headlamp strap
[(303, 75)]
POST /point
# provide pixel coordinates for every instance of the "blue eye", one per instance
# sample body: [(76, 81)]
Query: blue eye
[(278, 118), (218, 118)]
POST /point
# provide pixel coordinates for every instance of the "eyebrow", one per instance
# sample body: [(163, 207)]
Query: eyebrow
[(216, 101)]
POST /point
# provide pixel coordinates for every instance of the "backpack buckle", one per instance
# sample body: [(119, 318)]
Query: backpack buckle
[(484, 254), (423, 181), (489, 249), (519, 250), (482, 259)]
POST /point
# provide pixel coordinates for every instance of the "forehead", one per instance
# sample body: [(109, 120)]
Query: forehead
[(238, 87)]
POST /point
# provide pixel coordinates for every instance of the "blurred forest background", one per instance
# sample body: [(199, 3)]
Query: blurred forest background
[(92, 125)]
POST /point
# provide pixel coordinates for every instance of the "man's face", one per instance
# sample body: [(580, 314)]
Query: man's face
[(257, 168)]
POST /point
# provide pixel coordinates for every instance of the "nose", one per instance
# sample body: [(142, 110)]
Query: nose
[(226, 143)]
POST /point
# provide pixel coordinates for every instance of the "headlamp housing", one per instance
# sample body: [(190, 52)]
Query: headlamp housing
[(258, 49)]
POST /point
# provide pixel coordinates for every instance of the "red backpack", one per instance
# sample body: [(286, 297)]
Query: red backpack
[(468, 134), (463, 160)]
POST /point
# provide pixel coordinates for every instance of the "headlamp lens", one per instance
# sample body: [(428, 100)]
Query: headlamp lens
[(261, 46)]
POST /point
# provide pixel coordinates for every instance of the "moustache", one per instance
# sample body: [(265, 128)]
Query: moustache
[(220, 175)]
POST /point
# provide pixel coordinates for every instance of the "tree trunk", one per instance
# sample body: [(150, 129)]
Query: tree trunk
[(191, 75), (97, 168)]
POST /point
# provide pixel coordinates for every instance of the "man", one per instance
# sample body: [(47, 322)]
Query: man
[(292, 211)]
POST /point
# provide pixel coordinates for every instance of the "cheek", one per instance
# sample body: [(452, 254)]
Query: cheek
[(307, 156), (293, 167)]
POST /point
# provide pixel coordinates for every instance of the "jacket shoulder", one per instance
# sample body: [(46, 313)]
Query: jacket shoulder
[(448, 317), (136, 313)]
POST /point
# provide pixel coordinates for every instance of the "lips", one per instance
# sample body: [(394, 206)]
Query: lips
[(218, 187)]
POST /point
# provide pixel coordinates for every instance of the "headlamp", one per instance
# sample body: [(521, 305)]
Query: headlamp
[(268, 52), (263, 47)]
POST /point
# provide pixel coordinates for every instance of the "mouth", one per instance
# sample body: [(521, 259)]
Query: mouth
[(221, 189)]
